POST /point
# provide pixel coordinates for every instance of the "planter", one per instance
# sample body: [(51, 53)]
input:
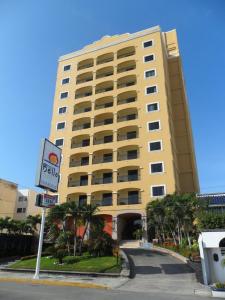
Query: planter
[(218, 293)]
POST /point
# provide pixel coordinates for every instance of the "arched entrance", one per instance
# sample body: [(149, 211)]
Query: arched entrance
[(127, 224)]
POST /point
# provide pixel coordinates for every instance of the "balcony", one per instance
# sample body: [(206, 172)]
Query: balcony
[(128, 114), (103, 119), (126, 81), (125, 52), (126, 66), (80, 141), (104, 72), (102, 198), (128, 196), (85, 77), (103, 137), (127, 97), (80, 159), (84, 64), (79, 198), (83, 92), (102, 177), (127, 133), (78, 179), (104, 102), (128, 153), (126, 174), (82, 107), (104, 87), (102, 156), (82, 123), (105, 58)]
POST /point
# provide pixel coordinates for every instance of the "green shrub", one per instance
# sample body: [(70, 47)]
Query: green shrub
[(60, 254), (28, 257), (101, 245), (220, 285)]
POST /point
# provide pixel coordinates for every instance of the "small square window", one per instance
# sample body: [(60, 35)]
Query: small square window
[(24, 210), (156, 168), (66, 68), (149, 73), (19, 210), (148, 44), (61, 125), (59, 142), (65, 80), (152, 107), (148, 58), (64, 95), (158, 190), (153, 125), (151, 89), (155, 146), (62, 110)]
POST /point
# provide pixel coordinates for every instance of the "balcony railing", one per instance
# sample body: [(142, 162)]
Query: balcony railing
[(102, 160), (102, 141), (84, 80), (103, 61), (106, 202), (125, 84), (104, 90), (73, 183), (128, 201), (126, 69), (83, 126), (80, 144), (126, 137), (81, 110), (126, 54), (126, 178), (83, 95), (105, 105), (104, 122), (128, 100), (101, 180), (77, 163), (127, 156), (127, 118), (104, 75), (85, 66)]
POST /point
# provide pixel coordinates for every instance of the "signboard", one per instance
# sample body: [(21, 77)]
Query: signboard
[(45, 200), (49, 166)]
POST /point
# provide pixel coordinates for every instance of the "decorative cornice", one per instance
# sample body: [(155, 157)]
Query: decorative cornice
[(125, 39)]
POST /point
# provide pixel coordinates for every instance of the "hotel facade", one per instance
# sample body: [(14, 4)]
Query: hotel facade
[(120, 115)]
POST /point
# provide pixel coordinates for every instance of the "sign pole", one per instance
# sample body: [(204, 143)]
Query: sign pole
[(36, 275)]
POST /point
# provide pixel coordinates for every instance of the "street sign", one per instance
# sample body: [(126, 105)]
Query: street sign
[(49, 166), (45, 200)]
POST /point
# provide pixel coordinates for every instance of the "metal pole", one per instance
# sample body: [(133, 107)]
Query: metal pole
[(36, 275)]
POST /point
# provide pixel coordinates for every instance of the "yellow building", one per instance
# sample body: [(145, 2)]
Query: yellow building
[(120, 115), (8, 197)]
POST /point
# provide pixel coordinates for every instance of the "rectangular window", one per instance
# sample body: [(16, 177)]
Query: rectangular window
[(107, 178), (158, 190), (151, 90), (133, 197), (83, 180), (82, 200), (152, 126), (24, 210), (131, 117), (152, 107), (61, 125), (19, 210), (59, 142), (65, 80), (150, 73), (131, 154), (132, 175), (84, 161), (148, 44), (106, 199), (107, 157), (85, 143), (108, 139), (131, 135), (62, 110), (66, 68), (155, 146), (156, 168), (64, 95), (148, 58)]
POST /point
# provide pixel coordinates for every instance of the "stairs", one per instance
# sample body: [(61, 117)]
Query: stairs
[(130, 244)]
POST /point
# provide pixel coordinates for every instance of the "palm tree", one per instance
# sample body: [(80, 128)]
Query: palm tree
[(75, 212), (33, 221)]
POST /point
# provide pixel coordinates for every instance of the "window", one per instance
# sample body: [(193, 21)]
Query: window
[(151, 90), (66, 68), (84, 161), (131, 135), (64, 95), (131, 117), (158, 190), (152, 107), (62, 110), (155, 146), (148, 58), (108, 139), (152, 126), (65, 80), (106, 199), (85, 142), (24, 210), (19, 210), (132, 175), (59, 142), (107, 157), (133, 197), (131, 154), (20, 199), (150, 73), (82, 200), (148, 44), (156, 167), (61, 125), (107, 178)]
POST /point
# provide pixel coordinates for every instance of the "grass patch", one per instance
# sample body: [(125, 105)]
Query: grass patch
[(105, 264)]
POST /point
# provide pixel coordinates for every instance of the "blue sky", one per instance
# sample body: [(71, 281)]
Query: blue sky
[(33, 34)]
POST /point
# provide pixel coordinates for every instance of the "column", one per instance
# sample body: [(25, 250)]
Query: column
[(89, 178), (114, 136), (114, 176), (114, 198)]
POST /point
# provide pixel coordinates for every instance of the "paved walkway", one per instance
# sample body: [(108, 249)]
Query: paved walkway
[(154, 271)]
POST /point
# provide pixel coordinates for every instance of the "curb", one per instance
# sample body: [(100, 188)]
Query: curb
[(54, 283), (172, 253), (91, 274)]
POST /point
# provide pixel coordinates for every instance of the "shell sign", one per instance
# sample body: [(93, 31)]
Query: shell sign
[(49, 166)]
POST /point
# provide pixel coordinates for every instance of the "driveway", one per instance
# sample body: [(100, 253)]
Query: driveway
[(154, 271)]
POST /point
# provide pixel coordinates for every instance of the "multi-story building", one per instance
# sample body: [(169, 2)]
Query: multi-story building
[(25, 204), (8, 196), (121, 117)]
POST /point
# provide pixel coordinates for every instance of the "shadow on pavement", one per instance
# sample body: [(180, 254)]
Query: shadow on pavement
[(176, 269)]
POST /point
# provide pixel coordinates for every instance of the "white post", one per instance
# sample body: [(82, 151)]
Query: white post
[(36, 275)]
